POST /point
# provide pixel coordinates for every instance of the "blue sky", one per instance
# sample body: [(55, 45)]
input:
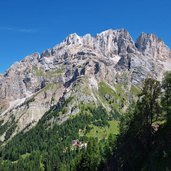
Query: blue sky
[(28, 26)]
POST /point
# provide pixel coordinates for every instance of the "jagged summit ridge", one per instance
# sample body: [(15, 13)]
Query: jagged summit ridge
[(115, 47), (149, 44), (114, 41), (107, 41)]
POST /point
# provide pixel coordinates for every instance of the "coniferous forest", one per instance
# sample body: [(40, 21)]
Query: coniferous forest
[(143, 141)]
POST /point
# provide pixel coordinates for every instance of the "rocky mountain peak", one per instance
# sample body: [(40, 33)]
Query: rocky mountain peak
[(46, 53), (73, 39), (113, 42), (151, 45)]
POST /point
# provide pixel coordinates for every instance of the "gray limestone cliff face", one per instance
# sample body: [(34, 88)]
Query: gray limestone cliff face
[(150, 45), (108, 52), (111, 56)]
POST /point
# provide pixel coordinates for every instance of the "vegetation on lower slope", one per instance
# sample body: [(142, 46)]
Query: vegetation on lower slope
[(144, 142), (105, 131), (117, 96), (91, 140), (48, 146)]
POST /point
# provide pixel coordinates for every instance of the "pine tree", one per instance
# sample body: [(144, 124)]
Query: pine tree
[(136, 137), (166, 100)]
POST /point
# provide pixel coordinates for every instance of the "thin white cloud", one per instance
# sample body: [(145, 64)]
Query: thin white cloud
[(23, 30)]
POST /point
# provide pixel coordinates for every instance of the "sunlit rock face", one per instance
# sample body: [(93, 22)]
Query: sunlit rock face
[(32, 86), (151, 45)]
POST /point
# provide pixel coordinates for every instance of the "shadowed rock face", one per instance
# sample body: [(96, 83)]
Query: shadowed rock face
[(107, 56)]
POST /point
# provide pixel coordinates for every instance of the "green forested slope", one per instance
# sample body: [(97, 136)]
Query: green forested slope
[(48, 146), (142, 141)]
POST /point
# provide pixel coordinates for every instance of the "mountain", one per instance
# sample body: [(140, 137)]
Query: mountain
[(74, 106), (106, 70)]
